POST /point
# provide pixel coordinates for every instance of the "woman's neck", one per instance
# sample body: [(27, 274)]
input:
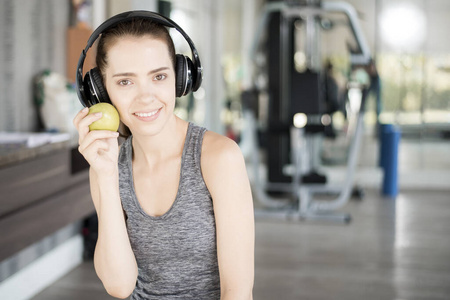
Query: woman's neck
[(168, 143)]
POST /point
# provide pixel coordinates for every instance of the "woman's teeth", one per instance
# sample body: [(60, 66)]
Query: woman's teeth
[(143, 115)]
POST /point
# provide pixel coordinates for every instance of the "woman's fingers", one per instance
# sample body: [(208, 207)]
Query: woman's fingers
[(95, 150), (83, 125), (94, 147), (94, 136), (80, 115)]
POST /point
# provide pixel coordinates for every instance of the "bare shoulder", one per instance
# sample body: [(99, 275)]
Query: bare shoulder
[(223, 166), (218, 149)]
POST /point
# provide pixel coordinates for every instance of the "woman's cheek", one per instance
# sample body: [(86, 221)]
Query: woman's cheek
[(119, 97)]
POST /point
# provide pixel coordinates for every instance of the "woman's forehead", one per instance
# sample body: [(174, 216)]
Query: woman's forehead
[(140, 50), (146, 41)]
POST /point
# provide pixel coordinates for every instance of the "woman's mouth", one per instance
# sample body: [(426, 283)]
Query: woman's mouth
[(148, 116)]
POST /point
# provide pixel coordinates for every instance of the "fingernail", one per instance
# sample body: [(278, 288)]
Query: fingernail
[(98, 114), (85, 109), (115, 133)]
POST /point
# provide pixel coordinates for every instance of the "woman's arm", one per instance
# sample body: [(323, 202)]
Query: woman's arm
[(225, 175), (114, 259)]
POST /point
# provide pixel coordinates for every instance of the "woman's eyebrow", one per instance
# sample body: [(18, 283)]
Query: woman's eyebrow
[(130, 74), (126, 74), (158, 70)]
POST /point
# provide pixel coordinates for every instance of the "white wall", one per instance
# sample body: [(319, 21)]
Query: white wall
[(118, 6), (32, 38)]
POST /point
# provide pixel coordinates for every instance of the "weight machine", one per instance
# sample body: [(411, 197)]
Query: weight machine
[(297, 111)]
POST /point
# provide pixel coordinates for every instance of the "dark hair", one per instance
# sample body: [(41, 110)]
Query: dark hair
[(136, 27)]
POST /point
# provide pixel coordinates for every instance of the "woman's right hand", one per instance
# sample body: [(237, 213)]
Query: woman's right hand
[(99, 147)]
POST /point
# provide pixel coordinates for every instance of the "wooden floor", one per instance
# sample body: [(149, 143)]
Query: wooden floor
[(393, 249)]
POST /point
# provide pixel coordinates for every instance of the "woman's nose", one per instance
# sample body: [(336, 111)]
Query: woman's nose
[(145, 92)]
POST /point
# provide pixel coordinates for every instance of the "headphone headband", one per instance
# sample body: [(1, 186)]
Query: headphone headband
[(125, 16)]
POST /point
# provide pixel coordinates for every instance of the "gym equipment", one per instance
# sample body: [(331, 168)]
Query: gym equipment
[(189, 73), (300, 95)]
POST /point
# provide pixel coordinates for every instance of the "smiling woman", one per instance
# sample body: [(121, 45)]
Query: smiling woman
[(174, 202), (141, 87)]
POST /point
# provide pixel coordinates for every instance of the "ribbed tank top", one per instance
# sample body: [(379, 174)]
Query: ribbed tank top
[(176, 252)]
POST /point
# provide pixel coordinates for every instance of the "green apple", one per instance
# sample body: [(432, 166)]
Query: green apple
[(110, 117)]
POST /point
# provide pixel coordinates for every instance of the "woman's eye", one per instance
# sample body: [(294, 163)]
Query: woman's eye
[(124, 82), (160, 77)]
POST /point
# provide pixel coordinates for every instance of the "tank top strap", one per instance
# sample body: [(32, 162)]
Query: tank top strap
[(194, 146)]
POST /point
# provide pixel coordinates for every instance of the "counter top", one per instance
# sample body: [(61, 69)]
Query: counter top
[(10, 155)]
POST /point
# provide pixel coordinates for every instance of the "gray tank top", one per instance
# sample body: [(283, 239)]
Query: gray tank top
[(176, 252)]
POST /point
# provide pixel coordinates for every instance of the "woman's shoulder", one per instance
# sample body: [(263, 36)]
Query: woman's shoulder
[(219, 150), (222, 165)]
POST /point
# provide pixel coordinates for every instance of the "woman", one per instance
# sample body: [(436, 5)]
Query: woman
[(173, 202)]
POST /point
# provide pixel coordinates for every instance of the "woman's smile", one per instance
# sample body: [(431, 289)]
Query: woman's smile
[(148, 116)]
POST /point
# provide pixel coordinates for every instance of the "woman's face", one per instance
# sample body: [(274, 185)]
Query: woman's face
[(140, 81)]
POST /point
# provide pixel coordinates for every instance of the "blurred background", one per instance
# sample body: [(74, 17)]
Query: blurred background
[(341, 109)]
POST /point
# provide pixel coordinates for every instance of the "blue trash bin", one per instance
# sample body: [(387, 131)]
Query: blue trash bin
[(390, 140), (382, 152)]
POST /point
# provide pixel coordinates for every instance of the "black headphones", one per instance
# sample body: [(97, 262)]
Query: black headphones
[(189, 73)]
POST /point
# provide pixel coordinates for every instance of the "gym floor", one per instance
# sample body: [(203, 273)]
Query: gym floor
[(392, 249)]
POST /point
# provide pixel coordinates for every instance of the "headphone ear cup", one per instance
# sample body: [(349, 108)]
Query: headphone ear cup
[(181, 75), (183, 71), (99, 88)]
